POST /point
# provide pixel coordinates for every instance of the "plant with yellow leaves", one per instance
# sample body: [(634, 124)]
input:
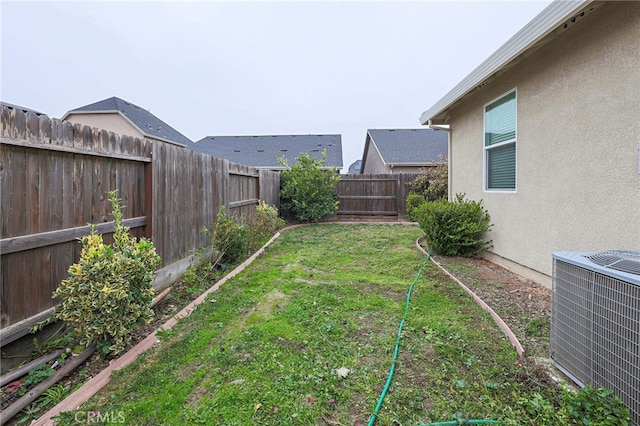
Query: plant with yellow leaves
[(108, 293)]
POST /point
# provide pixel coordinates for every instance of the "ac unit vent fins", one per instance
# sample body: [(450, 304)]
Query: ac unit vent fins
[(621, 260)]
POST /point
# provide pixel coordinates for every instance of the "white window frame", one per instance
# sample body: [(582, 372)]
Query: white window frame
[(486, 149)]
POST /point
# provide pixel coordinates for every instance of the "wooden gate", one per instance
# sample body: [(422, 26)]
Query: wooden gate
[(380, 195)]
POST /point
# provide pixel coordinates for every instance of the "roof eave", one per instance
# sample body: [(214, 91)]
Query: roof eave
[(425, 164), (547, 21), (73, 112), (121, 114), (158, 138)]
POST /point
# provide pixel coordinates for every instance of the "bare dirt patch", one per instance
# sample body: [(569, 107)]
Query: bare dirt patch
[(523, 304)]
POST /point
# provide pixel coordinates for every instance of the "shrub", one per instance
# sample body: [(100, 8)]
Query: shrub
[(432, 182), (228, 239), (454, 228), (413, 202), (594, 406), (308, 190), (263, 225), (587, 406), (108, 292)]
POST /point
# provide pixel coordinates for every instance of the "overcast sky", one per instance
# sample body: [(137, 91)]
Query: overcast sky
[(213, 68)]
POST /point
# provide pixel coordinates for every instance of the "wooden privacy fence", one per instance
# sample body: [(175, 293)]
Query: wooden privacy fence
[(373, 194), (54, 179)]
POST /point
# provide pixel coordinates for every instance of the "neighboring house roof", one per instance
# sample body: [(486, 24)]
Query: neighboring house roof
[(355, 167), (407, 147), (264, 151), (555, 18), (25, 109), (148, 124)]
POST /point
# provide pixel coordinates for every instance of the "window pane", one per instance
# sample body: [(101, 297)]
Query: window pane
[(500, 120), (501, 167)]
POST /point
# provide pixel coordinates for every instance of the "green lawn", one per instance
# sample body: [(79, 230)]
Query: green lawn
[(268, 347)]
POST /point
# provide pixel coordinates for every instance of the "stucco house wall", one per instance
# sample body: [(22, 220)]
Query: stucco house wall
[(112, 121), (578, 137), (373, 162)]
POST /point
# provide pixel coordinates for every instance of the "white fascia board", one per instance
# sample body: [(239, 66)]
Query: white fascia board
[(379, 153), (72, 112), (546, 22), (367, 140)]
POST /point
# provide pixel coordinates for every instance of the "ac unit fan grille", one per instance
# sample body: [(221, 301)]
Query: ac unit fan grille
[(621, 260)]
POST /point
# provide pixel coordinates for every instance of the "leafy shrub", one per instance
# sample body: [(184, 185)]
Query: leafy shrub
[(432, 182), (108, 292), (228, 239), (413, 202), (587, 406), (594, 406), (307, 190), (454, 228), (263, 225)]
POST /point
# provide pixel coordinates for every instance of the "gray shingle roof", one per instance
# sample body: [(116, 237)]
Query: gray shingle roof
[(25, 109), (355, 167), (410, 146), (146, 122), (264, 151)]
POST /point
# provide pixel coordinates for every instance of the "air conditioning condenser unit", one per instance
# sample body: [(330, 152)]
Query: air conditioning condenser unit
[(595, 321)]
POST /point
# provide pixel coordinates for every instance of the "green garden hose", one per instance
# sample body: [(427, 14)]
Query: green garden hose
[(374, 415), (463, 422)]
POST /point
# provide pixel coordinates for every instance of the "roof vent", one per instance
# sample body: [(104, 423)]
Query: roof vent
[(620, 260), (576, 18)]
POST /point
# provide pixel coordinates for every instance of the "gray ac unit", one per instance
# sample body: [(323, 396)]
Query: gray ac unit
[(595, 321)]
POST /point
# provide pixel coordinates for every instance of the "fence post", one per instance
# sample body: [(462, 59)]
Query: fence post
[(148, 191)]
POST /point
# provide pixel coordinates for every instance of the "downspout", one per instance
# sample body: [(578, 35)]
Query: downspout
[(446, 128)]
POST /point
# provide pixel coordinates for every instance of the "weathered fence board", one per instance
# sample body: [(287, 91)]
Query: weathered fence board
[(54, 179), (373, 195)]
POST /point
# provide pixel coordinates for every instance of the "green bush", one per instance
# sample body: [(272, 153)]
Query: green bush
[(587, 406), (228, 239), (108, 292), (263, 225), (413, 202), (454, 228), (594, 406), (307, 190), (233, 241), (432, 182)]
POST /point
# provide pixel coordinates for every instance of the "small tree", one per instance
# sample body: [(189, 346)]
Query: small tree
[(308, 190)]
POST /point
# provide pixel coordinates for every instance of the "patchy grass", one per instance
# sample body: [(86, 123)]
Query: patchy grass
[(268, 346)]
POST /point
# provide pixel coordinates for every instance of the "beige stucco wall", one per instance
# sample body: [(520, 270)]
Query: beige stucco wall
[(108, 121), (578, 124), (375, 165), (373, 162)]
